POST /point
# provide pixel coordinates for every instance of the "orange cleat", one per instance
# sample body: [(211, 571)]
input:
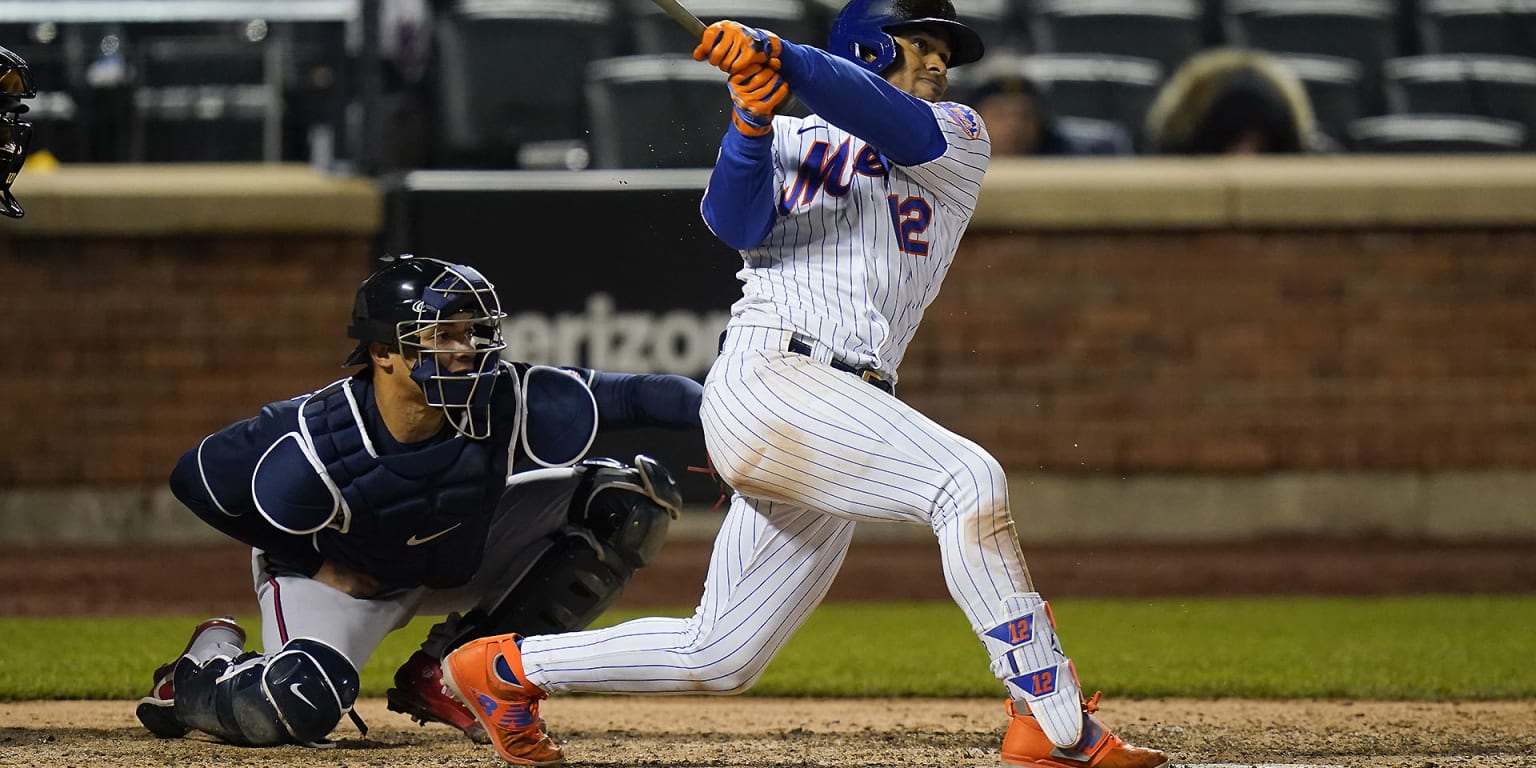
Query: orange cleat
[(1025, 744), (487, 675), (418, 692)]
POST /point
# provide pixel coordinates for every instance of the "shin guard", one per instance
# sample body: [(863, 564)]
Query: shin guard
[(1027, 657)]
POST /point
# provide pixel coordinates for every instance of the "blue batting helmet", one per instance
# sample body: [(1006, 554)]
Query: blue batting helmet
[(865, 27)]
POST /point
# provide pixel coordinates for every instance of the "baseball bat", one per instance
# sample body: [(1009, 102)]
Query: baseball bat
[(682, 16), (694, 27)]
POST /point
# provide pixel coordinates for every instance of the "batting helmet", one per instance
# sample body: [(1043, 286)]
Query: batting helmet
[(15, 133), (865, 27), (402, 304)]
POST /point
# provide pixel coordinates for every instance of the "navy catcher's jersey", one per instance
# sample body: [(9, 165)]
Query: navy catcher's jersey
[(319, 476)]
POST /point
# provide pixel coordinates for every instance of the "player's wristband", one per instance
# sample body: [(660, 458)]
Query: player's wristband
[(749, 124)]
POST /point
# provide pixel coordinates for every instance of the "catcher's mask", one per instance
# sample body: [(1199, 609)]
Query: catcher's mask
[(427, 310), (15, 133)]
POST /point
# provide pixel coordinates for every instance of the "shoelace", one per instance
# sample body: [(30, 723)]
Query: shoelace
[(709, 469), (1089, 707)]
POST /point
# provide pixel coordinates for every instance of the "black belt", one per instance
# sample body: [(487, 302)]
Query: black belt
[(868, 374)]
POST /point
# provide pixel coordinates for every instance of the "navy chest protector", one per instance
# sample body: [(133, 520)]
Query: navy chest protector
[(417, 517)]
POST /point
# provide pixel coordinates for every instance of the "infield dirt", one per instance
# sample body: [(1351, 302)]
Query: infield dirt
[(746, 732)]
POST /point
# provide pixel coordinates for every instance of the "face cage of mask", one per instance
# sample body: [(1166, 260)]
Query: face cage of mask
[(465, 396), (16, 83)]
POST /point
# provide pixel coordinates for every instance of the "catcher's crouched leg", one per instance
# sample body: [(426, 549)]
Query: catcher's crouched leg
[(297, 695), (618, 520)]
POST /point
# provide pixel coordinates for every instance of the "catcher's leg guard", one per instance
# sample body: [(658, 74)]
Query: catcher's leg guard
[(296, 695), (216, 638), (619, 516), (1027, 657)]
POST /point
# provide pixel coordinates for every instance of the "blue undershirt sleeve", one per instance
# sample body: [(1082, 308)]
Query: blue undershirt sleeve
[(646, 399), (738, 204), (897, 124)]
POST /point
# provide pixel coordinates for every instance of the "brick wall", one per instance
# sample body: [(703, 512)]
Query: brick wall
[(1079, 352), (1239, 351), (123, 352)]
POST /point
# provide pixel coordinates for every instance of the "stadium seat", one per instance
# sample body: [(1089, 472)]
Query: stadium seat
[(1334, 89), (656, 33), (200, 124), (1363, 30), (510, 72), (1164, 31), (1098, 133), (201, 94), (1001, 25), (1491, 86), (656, 111), (1113, 88), (1421, 133), (1478, 26), (217, 56)]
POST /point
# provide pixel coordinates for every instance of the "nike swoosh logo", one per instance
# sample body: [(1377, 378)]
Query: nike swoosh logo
[(810, 128), (413, 541), (302, 697)]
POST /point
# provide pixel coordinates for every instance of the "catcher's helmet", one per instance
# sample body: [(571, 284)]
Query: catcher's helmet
[(866, 27), (402, 304), (15, 133)]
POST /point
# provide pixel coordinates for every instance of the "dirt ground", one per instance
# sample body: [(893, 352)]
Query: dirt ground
[(743, 732), (750, 732)]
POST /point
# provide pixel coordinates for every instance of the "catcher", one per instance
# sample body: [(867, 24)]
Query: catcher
[(436, 479)]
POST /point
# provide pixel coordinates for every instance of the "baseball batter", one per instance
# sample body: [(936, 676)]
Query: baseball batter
[(437, 478), (847, 222)]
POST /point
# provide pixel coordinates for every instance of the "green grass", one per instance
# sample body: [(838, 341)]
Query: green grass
[(1422, 648)]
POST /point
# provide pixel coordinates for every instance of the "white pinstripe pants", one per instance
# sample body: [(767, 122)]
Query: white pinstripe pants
[(810, 451)]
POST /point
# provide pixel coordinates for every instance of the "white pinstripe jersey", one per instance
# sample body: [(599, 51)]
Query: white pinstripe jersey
[(860, 246)]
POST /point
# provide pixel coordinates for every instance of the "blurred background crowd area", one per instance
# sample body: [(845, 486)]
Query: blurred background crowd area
[(572, 84)]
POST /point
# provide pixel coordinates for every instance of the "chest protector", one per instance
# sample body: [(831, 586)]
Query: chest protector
[(400, 492), (417, 517)]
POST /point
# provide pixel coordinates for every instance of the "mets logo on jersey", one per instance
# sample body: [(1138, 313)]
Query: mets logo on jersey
[(963, 117)]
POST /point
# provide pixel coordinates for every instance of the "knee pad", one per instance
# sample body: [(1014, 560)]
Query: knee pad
[(297, 695), (311, 686)]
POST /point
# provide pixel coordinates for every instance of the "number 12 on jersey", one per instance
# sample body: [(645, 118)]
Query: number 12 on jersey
[(910, 218)]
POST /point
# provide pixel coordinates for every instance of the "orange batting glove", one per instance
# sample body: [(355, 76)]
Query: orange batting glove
[(736, 48), (756, 94)]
